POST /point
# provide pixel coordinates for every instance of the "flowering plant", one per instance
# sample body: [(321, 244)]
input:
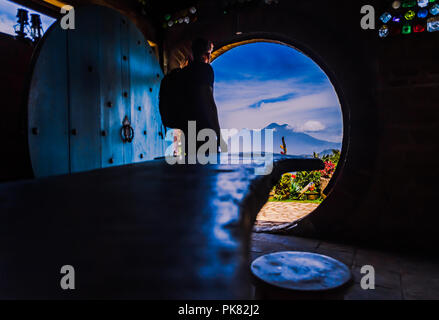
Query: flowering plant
[(328, 170), (282, 190)]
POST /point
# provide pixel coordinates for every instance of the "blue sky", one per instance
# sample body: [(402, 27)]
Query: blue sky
[(8, 12), (261, 83)]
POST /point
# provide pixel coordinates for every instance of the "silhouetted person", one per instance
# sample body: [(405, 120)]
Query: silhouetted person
[(198, 90)]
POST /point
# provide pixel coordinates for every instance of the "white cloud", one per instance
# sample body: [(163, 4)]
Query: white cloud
[(311, 126), (233, 95), (295, 111), (312, 108)]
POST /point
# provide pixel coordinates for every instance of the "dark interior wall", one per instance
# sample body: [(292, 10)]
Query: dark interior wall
[(130, 9), (400, 203), (15, 57), (388, 91)]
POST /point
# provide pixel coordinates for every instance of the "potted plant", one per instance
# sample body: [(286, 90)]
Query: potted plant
[(312, 193)]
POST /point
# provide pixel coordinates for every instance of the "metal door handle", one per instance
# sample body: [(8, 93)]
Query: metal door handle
[(127, 132)]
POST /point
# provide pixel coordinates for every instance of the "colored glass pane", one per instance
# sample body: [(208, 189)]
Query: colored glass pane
[(433, 24), (406, 29), (423, 3), (419, 28), (395, 30), (385, 17), (410, 15), (423, 13), (383, 32), (434, 10), (409, 3)]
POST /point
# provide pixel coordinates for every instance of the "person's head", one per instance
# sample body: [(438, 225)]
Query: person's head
[(202, 49)]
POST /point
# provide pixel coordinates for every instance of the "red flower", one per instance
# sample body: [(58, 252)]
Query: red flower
[(329, 169), (293, 176)]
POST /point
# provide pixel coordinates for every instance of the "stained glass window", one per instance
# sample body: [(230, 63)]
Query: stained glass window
[(409, 17)]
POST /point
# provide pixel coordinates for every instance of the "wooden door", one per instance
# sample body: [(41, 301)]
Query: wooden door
[(110, 74)]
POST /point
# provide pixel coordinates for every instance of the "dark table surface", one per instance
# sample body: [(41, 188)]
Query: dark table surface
[(149, 230)]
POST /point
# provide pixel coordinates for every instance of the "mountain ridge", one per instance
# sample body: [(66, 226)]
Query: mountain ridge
[(298, 143)]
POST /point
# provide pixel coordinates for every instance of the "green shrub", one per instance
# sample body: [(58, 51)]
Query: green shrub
[(303, 178), (282, 190), (334, 157), (295, 190), (288, 188)]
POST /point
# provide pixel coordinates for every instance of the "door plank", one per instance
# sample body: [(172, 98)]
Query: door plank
[(83, 46), (48, 107)]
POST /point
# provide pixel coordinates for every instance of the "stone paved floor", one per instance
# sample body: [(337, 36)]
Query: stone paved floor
[(285, 211), (398, 276)]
